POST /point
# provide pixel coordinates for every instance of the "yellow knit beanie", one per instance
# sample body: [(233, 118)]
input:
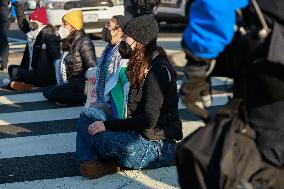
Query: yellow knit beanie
[(75, 19)]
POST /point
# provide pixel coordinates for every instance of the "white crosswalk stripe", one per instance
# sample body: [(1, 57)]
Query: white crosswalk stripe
[(13, 40), (130, 178), (37, 145), (20, 98), (16, 45), (40, 115), (53, 143)]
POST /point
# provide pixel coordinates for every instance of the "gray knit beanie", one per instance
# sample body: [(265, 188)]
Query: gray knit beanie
[(143, 29)]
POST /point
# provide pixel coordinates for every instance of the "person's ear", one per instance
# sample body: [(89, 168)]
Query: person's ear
[(119, 29), (73, 29), (114, 32), (120, 32)]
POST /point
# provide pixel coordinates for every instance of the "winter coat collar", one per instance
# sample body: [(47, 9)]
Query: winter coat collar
[(77, 35)]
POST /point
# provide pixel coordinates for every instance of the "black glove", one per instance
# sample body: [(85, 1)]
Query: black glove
[(196, 90), (22, 21)]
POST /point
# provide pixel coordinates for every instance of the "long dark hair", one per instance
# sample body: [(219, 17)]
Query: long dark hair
[(141, 60)]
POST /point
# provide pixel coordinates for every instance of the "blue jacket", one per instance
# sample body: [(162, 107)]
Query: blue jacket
[(211, 26), (13, 11)]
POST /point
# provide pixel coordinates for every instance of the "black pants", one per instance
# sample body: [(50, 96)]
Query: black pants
[(17, 73), (69, 93), (265, 101), (261, 84), (4, 26)]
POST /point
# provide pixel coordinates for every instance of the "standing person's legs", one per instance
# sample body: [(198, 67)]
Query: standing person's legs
[(4, 48), (265, 100)]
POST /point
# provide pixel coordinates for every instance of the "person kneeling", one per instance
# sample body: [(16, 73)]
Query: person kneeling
[(147, 137)]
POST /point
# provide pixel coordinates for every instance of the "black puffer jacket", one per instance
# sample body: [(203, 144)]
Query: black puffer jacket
[(153, 105), (81, 56)]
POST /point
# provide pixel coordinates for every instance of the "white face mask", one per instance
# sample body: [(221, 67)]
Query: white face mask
[(63, 32)]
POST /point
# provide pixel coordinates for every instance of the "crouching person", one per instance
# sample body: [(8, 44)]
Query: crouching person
[(78, 56), (146, 138), (42, 49)]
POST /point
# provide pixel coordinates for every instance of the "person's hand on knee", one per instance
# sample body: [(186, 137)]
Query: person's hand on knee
[(96, 127)]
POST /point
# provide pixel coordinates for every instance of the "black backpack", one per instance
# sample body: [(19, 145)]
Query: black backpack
[(223, 154)]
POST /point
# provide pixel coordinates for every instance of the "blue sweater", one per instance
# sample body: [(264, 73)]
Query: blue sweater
[(211, 26)]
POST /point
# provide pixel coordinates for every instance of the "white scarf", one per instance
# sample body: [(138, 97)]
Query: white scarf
[(31, 38), (60, 70)]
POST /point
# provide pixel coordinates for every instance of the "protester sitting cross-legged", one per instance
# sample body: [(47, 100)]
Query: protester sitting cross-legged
[(42, 49), (4, 27), (78, 56), (146, 138), (106, 82)]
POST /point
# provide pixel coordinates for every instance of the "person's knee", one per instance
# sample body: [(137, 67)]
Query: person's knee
[(46, 93), (101, 136), (53, 93), (13, 72), (82, 122), (110, 141), (63, 97), (104, 139)]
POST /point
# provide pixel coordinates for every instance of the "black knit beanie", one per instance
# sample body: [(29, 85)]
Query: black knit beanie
[(143, 29), (122, 21)]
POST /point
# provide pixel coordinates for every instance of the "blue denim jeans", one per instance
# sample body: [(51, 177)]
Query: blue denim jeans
[(128, 149)]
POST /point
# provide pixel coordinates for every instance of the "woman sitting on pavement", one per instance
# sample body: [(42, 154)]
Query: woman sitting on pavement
[(108, 86), (78, 56), (42, 49), (107, 77), (146, 138)]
